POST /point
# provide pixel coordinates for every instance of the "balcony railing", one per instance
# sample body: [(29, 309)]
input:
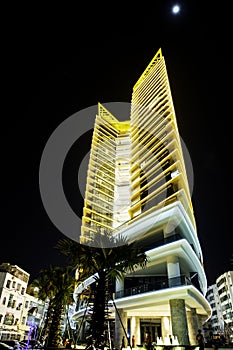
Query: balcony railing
[(173, 238), (149, 287)]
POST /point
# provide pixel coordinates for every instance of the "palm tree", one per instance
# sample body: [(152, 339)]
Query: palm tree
[(109, 264), (55, 284), (46, 292)]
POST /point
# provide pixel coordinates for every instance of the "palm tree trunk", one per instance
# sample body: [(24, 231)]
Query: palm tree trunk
[(99, 319), (54, 338), (46, 327)]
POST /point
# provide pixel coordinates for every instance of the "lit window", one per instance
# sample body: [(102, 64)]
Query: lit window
[(10, 301), (9, 319)]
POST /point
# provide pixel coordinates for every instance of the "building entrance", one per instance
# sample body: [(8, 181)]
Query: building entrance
[(153, 327)]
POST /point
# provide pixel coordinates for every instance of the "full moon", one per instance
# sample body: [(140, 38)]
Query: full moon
[(175, 9)]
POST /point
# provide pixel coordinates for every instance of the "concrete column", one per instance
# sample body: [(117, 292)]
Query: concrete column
[(135, 329), (165, 326), (173, 266), (201, 321), (192, 325), (179, 321), (119, 286), (120, 327), (173, 271), (169, 228)]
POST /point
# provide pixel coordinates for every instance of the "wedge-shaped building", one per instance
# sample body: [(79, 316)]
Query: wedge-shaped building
[(137, 186)]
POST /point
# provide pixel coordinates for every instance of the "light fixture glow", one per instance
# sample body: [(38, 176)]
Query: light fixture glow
[(175, 9)]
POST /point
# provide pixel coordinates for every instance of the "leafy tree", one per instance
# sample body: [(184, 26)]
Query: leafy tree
[(55, 284), (109, 258)]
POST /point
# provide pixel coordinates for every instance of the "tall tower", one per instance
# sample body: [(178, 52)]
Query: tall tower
[(137, 186), (107, 197), (158, 174)]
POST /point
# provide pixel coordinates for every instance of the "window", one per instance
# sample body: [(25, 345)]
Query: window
[(229, 315), (210, 291), (19, 306), (13, 284), (10, 301), (4, 301), (222, 280), (23, 320), (8, 284), (223, 298), (18, 286), (9, 319), (26, 304), (22, 290), (222, 290)]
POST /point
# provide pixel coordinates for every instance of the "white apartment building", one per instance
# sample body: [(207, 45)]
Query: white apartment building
[(20, 313), (220, 297)]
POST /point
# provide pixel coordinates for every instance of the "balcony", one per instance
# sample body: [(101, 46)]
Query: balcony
[(158, 243), (161, 284)]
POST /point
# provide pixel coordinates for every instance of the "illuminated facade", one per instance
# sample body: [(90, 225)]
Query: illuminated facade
[(137, 186)]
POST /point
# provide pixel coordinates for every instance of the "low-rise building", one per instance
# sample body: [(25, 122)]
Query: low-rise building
[(21, 314), (220, 297)]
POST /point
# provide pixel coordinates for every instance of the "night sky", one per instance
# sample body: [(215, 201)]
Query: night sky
[(58, 61)]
